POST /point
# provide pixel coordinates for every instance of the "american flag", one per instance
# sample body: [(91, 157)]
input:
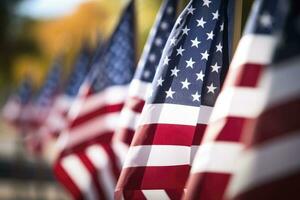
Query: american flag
[(56, 120), (184, 90), (12, 111), (239, 100), (144, 74), (270, 165), (88, 166), (39, 109)]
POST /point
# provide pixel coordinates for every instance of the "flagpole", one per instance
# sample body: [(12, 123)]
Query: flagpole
[(237, 26)]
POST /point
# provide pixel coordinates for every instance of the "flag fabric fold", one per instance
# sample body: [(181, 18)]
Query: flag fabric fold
[(185, 86), (240, 99)]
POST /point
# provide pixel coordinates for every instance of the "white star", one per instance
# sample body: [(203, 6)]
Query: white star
[(210, 35), (190, 63), (201, 22), (211, 88), (196, 96), (191, 10), (200, 76), (164, 25), (174, 71), (185, 84), (215, 15), (215, 68), (222, 27), (170, 10), (178, 21), (170, 93), (152, 57), (195, 42), (173, 41), (158, 42), (166, 60), (219, 47), (180, 50), (204, 56), (266, 20), (206, 3), (160, 82), (186, 30)]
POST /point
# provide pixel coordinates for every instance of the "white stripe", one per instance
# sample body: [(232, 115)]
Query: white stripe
[(139, 89), (129, 119), (120, 150), (174, 114), (80, 176), (157, 155), (284, 82), (270, 161), (155, 194), (91, 128), (101, 161), (111, 95), (218, 157), (254, 48), (239, 102)]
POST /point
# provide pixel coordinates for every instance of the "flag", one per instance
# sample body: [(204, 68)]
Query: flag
[(216, 157), (12, 110), (144, 74), (184, 89), (270, 165), (56, 120), (87, 166), (39, 109)]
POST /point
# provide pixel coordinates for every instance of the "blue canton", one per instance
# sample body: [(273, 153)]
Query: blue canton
[(157, 39), (78, 74), (195, 58), (116, 66)]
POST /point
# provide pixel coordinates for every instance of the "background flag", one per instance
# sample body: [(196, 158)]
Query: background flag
[(185, 86), (239, 100), (87, 166)]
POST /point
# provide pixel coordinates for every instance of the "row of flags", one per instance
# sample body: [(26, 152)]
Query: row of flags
[(187, 123)]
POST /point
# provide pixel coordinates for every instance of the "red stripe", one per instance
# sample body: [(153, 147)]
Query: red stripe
[(129, 194), (94, 173), (174, 194), (277, 121), (199, 133), (208, 186), (249, 75), (124, 135), (171, 177), (232, 129), (96, 113), (63, 177), (135, 104), (285, 188), (164, 134)]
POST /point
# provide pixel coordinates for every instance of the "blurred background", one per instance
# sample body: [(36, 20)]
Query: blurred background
[(33, 33)]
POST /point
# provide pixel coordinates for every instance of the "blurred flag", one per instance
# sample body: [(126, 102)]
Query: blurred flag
[(269, 168), (39, 109), (184, 89), (87, 166), (56, 120), (239, 100), (12, 110), (144, 75)]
